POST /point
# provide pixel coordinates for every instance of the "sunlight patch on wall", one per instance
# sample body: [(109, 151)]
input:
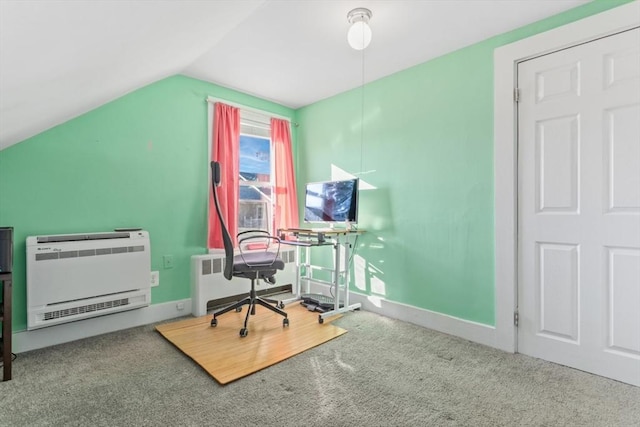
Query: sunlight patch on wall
[(368, 277), (360, 272), (377, 284), (338, 174)]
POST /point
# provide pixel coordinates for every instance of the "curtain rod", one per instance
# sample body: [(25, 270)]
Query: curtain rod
[(212, 100)]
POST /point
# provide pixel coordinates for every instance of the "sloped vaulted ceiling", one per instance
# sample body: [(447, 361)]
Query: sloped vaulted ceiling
[(62, 58)]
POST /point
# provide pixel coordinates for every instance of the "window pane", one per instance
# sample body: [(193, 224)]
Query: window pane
[(255, 183), (254, 177), (255, 158), (253, 215), (255, 192)]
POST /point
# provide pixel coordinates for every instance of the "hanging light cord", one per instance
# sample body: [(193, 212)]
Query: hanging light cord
[(362, 117)]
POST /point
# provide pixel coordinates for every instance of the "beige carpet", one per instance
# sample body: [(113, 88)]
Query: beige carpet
[(226, 356)]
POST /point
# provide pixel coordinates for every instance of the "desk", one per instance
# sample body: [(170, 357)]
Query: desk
[(341, 241), (5, 318)]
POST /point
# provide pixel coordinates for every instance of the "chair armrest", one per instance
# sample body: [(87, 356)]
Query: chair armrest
[(265, 238), (253, 232)]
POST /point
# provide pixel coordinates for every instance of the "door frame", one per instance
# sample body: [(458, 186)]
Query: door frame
[(505, 152)]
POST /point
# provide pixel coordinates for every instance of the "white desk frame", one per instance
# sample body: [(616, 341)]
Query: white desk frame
[(341, 241)]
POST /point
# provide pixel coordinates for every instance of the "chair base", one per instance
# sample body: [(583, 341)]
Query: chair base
[(252, 300)]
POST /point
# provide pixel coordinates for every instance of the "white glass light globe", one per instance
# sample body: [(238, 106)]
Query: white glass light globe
[(359, 35)]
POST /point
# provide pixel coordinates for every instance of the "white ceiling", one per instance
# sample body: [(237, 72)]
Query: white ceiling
[(62, 58)]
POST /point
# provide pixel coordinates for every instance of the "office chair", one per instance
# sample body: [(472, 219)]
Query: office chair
[(255, 265)]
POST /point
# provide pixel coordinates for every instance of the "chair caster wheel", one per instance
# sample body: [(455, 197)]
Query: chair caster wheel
[(320, 320), (243, 332), (214, 322), (280, 305), (285, 322), (238, 309)]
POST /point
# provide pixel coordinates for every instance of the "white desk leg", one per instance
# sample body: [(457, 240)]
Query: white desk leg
[(336, 275), (298, 292), (346, 270), (347, 277), (336, 282)]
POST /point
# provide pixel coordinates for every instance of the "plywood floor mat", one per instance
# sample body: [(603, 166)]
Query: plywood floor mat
[(226, 356)]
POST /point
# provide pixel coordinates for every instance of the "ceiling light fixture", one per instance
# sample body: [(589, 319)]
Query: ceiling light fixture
[(359, 34)]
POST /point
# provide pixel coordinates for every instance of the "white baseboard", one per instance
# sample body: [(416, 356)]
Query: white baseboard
[(53, 335), (472, 331), (466, 329)]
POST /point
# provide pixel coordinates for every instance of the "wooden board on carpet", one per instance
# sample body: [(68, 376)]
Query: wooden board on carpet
[(227, 357)]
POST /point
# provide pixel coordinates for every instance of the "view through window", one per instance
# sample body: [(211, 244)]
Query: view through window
[(256, 184)]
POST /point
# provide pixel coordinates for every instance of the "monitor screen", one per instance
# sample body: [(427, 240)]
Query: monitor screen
[(331, 201)]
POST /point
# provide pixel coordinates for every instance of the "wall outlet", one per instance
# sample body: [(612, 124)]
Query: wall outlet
[(155, 278), (180, 306), (167, 261)]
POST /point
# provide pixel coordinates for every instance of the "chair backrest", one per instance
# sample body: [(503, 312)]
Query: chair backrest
[(226, 237)]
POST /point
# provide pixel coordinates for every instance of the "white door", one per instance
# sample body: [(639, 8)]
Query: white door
[(579, 207)]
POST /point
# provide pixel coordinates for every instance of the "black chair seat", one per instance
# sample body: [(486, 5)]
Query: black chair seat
[(253, 266), (256, 261)]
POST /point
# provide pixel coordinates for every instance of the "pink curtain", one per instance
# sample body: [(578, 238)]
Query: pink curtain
[(225, 149), (286, 215)]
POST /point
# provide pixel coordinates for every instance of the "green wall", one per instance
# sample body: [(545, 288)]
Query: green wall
[(139, 161), (427, 148)]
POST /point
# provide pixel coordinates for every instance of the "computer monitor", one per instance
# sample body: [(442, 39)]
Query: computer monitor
[(331, 202)]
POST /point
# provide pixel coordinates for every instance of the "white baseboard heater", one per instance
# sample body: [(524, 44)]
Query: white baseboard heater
[(78, 276), (209, 284)]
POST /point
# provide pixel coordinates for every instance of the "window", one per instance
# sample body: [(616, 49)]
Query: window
[(257, 149), (256, 204)]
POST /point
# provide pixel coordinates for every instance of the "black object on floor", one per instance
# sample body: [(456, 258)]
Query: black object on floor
[(318, 302)]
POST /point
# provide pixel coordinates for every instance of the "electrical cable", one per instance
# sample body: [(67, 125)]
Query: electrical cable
[(362, 117)]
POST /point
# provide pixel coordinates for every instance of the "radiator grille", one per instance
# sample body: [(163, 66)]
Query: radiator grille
[(210, 266), (288, 256), (85, 309), (206, 266), (88, 252), (80, 237)]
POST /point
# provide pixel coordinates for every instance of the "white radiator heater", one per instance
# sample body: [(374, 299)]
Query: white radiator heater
[(77, 276), (209, 284)]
